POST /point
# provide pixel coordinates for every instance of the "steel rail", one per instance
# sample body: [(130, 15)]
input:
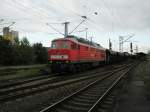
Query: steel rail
[(54, 106), (100, 100)]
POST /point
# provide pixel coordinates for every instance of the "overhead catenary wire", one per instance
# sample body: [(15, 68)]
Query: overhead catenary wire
[(115, 16), (54, 29), (23, 8), (77, 14), (29, 15), (77, 26), (42, 16)]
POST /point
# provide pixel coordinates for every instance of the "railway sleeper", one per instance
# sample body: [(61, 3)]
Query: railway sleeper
[(101, 110), (108, 103), (92, 92), (77, 103), (98, 90), (73, 108), (60, 110), (84, 100), (93, 95), (87, 97)]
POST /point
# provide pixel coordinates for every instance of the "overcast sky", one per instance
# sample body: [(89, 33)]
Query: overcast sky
[(106, 19)]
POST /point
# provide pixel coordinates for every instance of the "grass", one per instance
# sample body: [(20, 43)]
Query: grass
[(142, 72), (21, 73)]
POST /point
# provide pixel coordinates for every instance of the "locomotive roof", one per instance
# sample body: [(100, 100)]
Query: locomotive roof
[(81, 40)]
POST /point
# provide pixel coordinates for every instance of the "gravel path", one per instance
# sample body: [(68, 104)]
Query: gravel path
[(134, 99)]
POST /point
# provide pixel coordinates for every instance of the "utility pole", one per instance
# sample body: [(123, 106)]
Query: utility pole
[(136, 49), (86, 33), (110, 45), (120, 43), (91, 39), (131, 48), (66, 29)]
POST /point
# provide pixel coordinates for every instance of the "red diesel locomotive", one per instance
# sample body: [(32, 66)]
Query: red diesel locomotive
[(73, 54)]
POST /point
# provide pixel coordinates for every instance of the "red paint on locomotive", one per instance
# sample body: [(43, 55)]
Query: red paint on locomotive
[(71, 50)]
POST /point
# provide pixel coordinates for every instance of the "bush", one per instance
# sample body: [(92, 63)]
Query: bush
[(21, 52)]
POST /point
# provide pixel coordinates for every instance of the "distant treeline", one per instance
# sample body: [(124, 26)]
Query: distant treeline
[(21, 52)]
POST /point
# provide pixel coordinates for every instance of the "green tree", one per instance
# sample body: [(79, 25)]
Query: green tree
[(1, 37), (40, 53), (6, 52), (25, 42), (17, 41), (26, 52), (21, 53)]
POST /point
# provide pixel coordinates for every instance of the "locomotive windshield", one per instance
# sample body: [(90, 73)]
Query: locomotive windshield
[(60, 45)]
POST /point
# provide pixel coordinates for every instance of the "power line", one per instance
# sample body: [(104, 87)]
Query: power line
[(122, 41), (27, 10), (54, 29), (77, 26)]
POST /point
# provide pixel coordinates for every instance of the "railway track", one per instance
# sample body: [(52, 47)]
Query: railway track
[(11, 84), (10, 70), (91, 97), (30, 87), (23, 81)]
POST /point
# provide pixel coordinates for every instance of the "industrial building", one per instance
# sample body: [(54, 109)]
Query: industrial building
[(10, 35)]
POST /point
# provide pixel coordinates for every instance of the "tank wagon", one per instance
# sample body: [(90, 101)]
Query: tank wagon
[(76, 54)]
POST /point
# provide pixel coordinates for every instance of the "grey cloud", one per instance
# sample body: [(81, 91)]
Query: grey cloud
[(128, 16)]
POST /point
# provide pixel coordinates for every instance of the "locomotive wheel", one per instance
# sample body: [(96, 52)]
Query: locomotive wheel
[(72, 69), (78, 68), (87, 66), (53, 70), (90, 66), (82, 67)]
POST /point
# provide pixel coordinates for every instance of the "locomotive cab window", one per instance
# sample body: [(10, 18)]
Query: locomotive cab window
[(53, 45), (60, 45), (65, 44)]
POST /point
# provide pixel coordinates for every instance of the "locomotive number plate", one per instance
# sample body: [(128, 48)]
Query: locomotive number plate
[(59, 56)]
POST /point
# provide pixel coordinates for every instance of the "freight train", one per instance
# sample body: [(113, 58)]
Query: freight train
[(73, 54)]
